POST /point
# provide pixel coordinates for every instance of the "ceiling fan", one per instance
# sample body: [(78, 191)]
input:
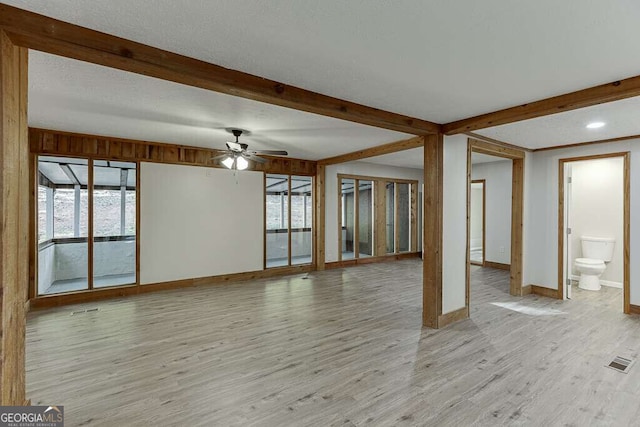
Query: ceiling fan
[(238, 155)]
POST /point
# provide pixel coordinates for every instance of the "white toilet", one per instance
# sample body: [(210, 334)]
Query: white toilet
[(596, 251)]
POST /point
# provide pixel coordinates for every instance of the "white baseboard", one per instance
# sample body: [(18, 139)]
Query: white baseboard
[(602, 282)]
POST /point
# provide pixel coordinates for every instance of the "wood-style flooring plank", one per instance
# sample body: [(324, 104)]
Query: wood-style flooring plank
[(337, 347)]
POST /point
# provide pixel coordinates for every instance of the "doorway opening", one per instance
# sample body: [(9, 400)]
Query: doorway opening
[(593, 229), (478, 226), (502, 217)]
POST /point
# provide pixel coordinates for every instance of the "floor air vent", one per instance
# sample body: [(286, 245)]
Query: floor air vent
[(620, 364), (89, 310)]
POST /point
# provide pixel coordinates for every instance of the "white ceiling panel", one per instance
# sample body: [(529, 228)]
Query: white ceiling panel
[(75, 96), (436, 60)]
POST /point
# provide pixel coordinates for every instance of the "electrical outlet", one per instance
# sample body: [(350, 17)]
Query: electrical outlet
[(501, 249), (208, 173)]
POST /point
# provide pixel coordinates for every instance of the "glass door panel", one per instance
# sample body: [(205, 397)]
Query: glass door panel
[(301, 220), (348, 218), (277, 220), (365, 219), (114, 226), (403, 221), (390, 212), (63, 255)]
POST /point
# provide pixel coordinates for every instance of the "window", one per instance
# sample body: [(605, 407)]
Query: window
[(65, 243), (362, 200), (288, 220)]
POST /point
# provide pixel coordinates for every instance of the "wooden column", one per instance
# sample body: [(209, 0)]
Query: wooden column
[(380, 215), (432, 231), (320, 217), (14, 208), (517, 207)]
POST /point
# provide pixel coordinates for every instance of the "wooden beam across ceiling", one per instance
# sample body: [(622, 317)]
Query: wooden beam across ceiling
[(39, 32), (609, 92), (392, 147)]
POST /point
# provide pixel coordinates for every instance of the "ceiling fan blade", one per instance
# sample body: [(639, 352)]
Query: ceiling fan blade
[(271, 152), (235, 146), (254, 158), (220, 157)]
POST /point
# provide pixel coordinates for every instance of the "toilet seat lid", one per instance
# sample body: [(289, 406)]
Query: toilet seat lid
[(589, 261)]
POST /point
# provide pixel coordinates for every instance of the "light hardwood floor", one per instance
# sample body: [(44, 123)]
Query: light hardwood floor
[(343, 347)]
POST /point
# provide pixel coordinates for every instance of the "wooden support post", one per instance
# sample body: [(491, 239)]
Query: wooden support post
[(517, 208), (432, 231), (320, 217), (380, 215), (14, 210)]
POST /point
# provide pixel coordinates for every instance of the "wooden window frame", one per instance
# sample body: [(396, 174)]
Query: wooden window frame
[(379, 215), (33, 287), (289, 227)]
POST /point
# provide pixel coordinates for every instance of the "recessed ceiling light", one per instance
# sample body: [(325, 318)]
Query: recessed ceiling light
[(595, 125)]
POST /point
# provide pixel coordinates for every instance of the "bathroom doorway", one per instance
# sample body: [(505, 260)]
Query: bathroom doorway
[(477, 228), (593, 223)]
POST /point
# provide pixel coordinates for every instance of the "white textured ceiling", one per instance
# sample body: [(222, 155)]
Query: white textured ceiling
[(621, 118), (436, 60), (75, 96)]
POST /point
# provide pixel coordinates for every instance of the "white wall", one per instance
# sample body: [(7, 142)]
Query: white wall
[(475, 216), (541, 227), (597, 209), (64, 261), (331, 194), (46, 263), (454, 230), (498, 210), (198, 222)]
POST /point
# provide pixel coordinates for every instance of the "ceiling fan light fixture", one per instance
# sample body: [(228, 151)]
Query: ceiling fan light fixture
[(228, 162), (241, 163)]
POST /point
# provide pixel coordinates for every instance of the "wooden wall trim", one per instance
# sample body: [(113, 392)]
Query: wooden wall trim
[(372, 260), (614, 91), (580, 144), (545, 292), (497, 142), (498, 265), (491, 149), (634, 309), (454, 316), (53, 36), (432, 230), (120, 291), (58, 143), (14, 220), (392, 147)]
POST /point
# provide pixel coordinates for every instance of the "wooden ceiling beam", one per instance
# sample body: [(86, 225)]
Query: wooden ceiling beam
[(50, 35), (609, 92), (379, 150)]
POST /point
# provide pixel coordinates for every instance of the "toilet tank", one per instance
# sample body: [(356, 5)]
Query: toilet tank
[(598, 247)]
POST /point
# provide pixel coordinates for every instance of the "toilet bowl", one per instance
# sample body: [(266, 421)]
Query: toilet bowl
[(590, 271), (596, 251)]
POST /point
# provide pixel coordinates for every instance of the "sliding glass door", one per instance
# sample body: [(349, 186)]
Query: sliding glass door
[(114, 223), (288, 220), (378, 216)]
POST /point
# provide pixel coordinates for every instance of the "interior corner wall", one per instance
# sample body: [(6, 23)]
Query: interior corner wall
[(454, 223), (498, 177), (331, 194), (199, 222), (541, 224)]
